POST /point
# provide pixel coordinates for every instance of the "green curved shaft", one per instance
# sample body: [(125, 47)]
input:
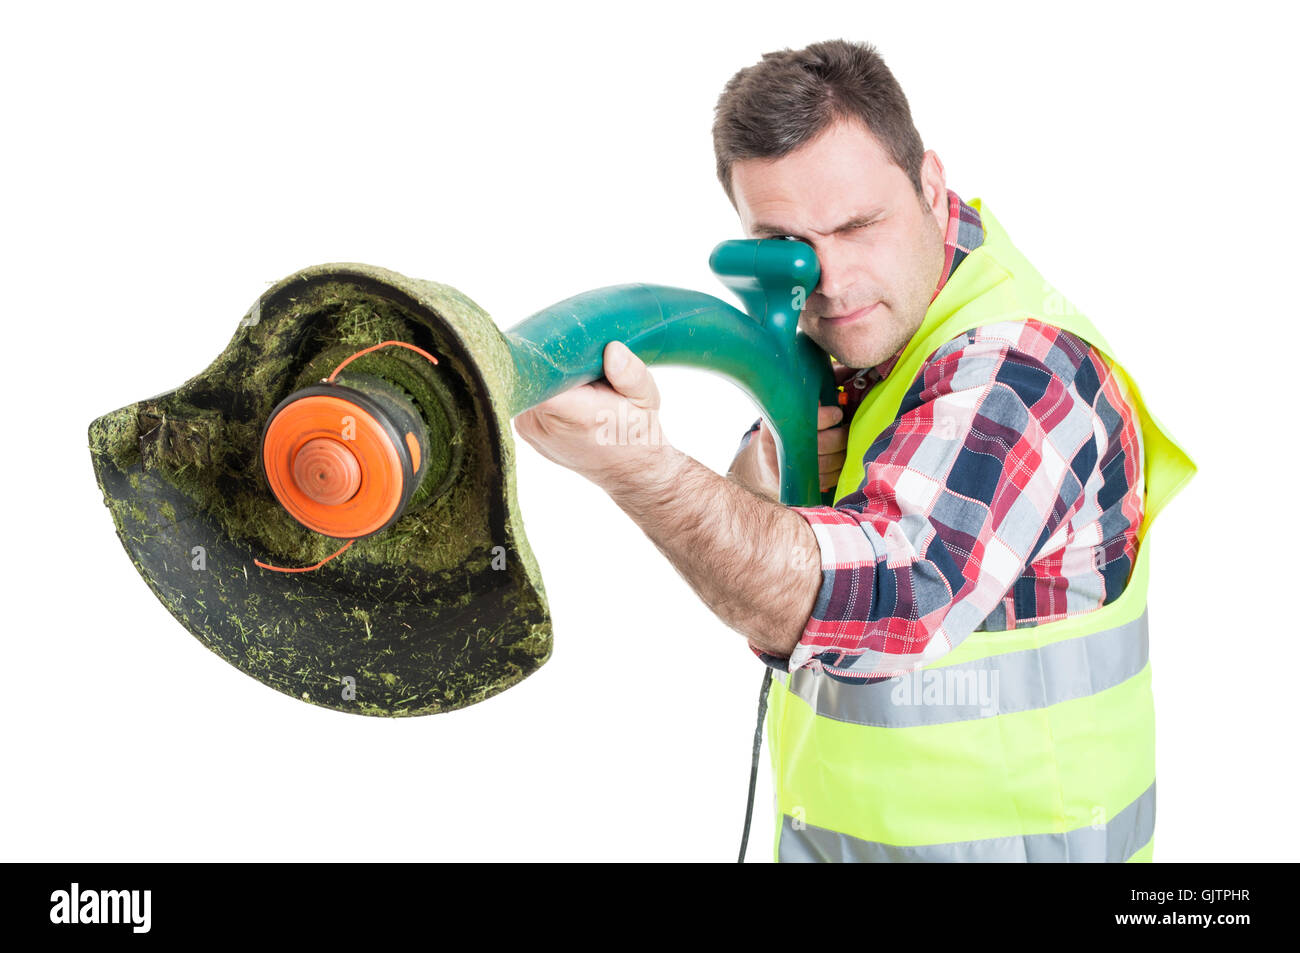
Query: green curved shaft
[(762, 351)]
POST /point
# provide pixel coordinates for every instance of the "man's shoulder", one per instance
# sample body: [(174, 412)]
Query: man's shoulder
[(1061, 351), (1035, 348)]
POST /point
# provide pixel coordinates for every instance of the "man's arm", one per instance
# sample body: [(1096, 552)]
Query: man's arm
[(752, 561), (975, 477)]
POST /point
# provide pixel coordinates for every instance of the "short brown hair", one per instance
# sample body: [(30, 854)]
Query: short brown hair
[(790, 96)]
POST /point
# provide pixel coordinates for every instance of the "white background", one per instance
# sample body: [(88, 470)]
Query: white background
[(162, 166)]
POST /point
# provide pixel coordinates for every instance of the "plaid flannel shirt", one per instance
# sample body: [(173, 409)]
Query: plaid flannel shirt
[(1006, 493)]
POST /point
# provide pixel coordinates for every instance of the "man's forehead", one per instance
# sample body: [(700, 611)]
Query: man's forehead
[(839, 177), (769, 213)]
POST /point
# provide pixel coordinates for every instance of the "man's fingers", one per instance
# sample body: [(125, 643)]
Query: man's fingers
[(828, 415), (629, 375), (829, 479), (831, 464), (831, 441)]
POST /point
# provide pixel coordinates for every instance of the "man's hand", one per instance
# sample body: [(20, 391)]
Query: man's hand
[(746, 557), (604, 430), (755, 466)]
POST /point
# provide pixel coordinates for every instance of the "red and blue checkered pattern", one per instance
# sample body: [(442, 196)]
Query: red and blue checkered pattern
[(1007, 493)]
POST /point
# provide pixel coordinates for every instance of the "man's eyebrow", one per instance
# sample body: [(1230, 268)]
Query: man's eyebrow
[(870, 215)]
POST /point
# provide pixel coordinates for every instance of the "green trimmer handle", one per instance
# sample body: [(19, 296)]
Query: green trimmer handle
[(785, 372)]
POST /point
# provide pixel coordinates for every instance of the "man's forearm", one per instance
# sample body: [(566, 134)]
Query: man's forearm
[(754, 562)]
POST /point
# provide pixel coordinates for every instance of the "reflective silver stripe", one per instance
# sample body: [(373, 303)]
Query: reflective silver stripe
[(1128, 831), (982, 688)]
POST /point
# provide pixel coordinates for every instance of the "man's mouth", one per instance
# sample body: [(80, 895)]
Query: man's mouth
[(838, 319)]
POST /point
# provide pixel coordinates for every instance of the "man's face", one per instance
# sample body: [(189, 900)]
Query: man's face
[(880, 248)]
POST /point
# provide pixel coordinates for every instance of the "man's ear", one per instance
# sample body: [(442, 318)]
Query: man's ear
[(935, 187)]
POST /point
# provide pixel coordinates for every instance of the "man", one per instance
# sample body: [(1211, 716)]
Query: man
[(961, 665)]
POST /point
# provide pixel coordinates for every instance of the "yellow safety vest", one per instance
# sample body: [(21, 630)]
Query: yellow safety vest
[(1032, 744)]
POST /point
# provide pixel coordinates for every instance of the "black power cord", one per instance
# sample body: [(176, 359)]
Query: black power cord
[(753, 768)]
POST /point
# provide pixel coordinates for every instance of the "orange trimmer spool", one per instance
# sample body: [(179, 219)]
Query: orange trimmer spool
[(344, 457)]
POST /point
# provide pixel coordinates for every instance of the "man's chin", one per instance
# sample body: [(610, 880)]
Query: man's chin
[(865, 345), (848, 350), (854, 344)]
